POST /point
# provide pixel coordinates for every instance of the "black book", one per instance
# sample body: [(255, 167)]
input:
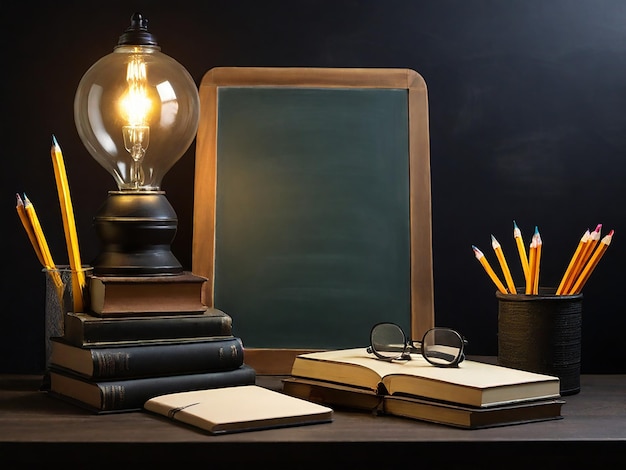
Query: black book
[(86, 330), (148, 359), (122, 395)]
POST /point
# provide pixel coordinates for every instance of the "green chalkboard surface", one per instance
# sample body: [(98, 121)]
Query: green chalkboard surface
[(305, 206)]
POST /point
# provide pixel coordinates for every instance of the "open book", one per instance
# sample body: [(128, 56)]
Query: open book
[(461, 416), (472, 383), (238, 408)]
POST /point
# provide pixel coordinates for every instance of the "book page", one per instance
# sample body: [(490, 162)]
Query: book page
[(469, 373)]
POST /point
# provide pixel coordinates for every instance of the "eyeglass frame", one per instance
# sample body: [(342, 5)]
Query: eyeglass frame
[(411, 345)]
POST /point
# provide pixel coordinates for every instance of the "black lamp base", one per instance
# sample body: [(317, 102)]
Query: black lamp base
[(136, 229)]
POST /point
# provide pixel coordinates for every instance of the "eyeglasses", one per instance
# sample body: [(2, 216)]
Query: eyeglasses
[(441, 347)]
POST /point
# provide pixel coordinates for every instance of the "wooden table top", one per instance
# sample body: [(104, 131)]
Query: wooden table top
[(36, 428)]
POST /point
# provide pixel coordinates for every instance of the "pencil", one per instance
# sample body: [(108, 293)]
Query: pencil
[(593, 262), (532, 260), (69, 226), (594, 237), (566, 281), (21, 212), (537, 262), (521, 249), (43, 245), (481, 257), (497, 248)]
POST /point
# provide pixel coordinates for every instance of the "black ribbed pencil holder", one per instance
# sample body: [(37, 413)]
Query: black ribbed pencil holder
[(542, 333)]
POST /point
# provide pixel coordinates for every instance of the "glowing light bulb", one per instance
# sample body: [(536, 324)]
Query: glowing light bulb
[(137, 110)]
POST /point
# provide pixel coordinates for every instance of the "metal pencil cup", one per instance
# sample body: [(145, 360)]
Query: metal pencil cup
[(59, 301), (542, 334)]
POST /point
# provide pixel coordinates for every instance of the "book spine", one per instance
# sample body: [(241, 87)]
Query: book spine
[(81, 332), (167, 359), (134, 393), (115, 296), (120, 307), (131, 394)]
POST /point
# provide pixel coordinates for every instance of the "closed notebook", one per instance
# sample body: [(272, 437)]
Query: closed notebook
[(238, 408)]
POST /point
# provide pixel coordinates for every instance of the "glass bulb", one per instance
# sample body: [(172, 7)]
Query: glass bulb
[(137, 111)]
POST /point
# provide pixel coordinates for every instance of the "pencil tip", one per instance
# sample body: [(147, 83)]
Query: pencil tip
[(514, 224), (598, 227), (54, 141)]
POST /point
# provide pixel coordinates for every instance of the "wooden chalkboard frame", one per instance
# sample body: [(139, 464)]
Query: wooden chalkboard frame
[(278, 361)]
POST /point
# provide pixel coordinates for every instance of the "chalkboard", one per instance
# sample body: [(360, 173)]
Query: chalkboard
[(312, 215)]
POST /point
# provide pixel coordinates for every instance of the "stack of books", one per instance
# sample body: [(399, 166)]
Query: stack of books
[(474, 395), (144, 337)]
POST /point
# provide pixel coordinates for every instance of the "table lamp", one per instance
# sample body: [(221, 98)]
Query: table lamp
[(136, 111)]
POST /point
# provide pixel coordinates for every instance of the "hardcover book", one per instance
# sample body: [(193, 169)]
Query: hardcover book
[(85, 330), (238, 409), (460, 416), (120, 395), (135, 295), (472, 383), (148, 359)]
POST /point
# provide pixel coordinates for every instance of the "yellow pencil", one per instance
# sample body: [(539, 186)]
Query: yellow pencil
[(43, 244), (497, 248), (69, 226), (481, 257), (593, 262), (21, 212), (537, 262), (566, 281), (532, 260), (594, 238), (521, 249)]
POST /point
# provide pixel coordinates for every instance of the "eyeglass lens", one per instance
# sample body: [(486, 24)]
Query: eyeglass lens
[(442, 346), (388, 340)]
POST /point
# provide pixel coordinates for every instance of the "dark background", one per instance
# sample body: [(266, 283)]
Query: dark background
[(527, 123)]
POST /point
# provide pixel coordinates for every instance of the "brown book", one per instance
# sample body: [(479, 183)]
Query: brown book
[(85, 330), (466, 417), (472, 383), (237, 409), (137, 295)]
